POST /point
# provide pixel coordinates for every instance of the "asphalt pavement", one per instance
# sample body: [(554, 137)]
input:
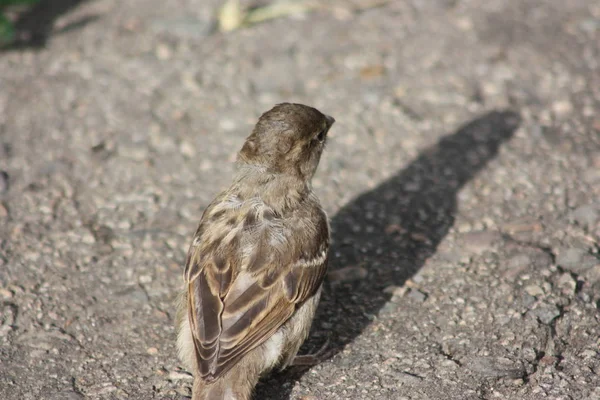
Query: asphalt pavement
[(462, 180)]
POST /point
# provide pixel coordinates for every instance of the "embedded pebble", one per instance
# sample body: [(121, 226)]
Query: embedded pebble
[(567, 284), (417, 295), (480, 241), (546, 313), (534, 290), (576, 260), (496, 367), (66, 395), (586, 216)]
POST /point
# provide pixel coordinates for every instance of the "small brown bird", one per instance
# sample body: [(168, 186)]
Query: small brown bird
[(255, 267)]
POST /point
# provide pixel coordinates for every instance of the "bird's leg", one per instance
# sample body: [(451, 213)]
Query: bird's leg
[(314, 358)]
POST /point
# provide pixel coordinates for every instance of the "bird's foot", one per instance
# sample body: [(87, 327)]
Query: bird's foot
[(309, 360)]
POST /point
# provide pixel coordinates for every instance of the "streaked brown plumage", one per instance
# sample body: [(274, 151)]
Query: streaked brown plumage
[(254, 270)]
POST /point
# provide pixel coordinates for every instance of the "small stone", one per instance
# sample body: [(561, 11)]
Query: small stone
[(516, 265), (591, 175), (88, 238), (592, 275), (124, 225), (567, 284), (496, 367), (163, 52), (38, 353), (6, 294), (464, 24), (419, 237), (104, 234), (187, 149), (227, 124), (576, 260), (205, 165), (541, 260), (348, 274), (4, 185), (66, 395), (448, 364), (546, 313), (528, 300), (406, 378), (463, 227), (152, 351), (519, 260), (534, 290), (586, 216), (480, 241), (529, 354), (101, 389), (417, 295), (44, 346), (326, 325), (179, 115), (132, 25), (589, 353), (8, 316), (394, 229), (549, 360), (395, 290), (585, 297), (590, 25), (389, 307), (562, 108)]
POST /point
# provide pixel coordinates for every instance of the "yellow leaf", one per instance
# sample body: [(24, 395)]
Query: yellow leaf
[(231, 16)]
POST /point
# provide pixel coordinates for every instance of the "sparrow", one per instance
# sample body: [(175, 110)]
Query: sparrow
[(257, 261)]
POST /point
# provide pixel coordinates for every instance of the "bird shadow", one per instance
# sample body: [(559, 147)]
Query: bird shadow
[(35, 26), (393, 229)]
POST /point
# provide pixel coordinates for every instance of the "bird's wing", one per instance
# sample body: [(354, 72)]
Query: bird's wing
[(246, 281)]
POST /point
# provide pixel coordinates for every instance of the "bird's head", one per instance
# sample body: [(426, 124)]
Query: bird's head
[(288, 139)]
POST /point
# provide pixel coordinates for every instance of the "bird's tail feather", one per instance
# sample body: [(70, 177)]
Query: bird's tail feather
[(231, 388), (219, 390)]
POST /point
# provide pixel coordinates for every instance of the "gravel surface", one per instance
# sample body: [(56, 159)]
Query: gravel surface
[(462, 180)]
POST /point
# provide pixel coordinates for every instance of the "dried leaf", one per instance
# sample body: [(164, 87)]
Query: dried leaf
[(277, 10), (231, 16)]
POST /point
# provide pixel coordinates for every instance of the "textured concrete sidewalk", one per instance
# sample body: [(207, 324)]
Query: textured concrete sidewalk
[(462, 180)]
